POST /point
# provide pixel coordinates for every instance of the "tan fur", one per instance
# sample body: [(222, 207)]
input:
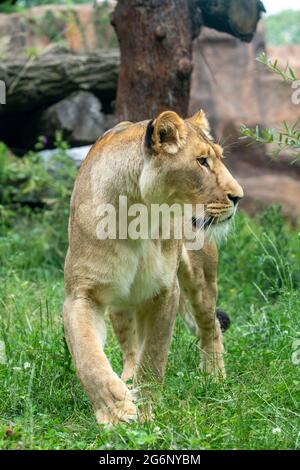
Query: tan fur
[(198, 280), (138, 281)]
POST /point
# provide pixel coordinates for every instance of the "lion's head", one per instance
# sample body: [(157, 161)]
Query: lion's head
[(184, 165)]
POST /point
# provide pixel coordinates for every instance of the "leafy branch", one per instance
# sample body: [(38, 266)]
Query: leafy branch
[(289, 136), (288, 74)]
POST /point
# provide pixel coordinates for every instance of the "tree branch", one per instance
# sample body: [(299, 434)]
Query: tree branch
[(236, 17)]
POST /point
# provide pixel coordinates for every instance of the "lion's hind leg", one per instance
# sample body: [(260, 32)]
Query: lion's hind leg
[(198, 281), (187, 316)]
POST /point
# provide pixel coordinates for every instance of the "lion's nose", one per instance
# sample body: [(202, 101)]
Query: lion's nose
[(234, 199)]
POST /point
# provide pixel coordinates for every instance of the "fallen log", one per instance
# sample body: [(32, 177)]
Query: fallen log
[(36, 81)]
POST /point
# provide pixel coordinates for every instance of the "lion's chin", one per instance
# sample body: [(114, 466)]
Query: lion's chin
[(214, 229), (218, 231), (211, 222)]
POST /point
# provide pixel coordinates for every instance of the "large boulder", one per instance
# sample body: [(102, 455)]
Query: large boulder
[(78, 117), (270, 188), (234, 88), (224, 79)]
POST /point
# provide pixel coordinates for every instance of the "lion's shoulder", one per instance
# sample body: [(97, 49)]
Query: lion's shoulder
[(121, 135)]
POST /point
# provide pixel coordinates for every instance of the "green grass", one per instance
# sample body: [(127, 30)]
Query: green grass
[(42, 404)]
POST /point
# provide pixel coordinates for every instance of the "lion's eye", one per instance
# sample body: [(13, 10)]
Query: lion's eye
[(203, 162)]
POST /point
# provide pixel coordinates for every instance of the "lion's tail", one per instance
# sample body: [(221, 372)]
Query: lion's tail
[(224, 319)]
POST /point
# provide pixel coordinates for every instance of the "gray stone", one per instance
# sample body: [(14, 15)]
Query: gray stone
[(77, 154), (78, 117)]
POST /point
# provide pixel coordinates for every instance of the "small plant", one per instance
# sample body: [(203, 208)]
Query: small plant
[(33, 179), (35, 196), (278, 267), (268, 260), (288, 138)]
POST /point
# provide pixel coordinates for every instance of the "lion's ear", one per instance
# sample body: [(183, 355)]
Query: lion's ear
[(199, 120), (169, 133)]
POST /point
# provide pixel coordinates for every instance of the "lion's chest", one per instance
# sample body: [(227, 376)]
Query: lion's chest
[(149, 270)]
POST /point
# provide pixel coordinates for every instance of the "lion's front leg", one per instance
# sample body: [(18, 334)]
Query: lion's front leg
[(85, 334), (158, 318)]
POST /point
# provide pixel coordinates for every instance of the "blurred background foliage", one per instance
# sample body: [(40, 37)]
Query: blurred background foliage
[(281, 29)]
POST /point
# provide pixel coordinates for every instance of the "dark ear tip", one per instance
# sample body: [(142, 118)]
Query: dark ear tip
[(224, 319), (148, 134)]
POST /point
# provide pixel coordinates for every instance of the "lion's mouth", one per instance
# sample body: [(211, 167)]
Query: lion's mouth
[(210, 221)]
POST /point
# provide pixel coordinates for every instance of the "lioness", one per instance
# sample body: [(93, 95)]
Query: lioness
[(167, 160)]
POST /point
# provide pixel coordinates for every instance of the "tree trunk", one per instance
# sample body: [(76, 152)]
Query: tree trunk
[(155, 38)]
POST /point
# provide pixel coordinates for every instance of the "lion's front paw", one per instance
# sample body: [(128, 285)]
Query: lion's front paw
[(118, 405), (212, 363)]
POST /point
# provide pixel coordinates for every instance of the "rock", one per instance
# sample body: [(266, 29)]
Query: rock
[(290, 53), (78, 117), (260, 192), (274, 95), (224, 80), (235, 89), (77, 154), (110, 121)]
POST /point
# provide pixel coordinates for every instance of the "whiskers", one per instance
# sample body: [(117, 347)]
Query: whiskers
[(227, 144), (218, 232), (202, 223), (213, 220), (215, 229)]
